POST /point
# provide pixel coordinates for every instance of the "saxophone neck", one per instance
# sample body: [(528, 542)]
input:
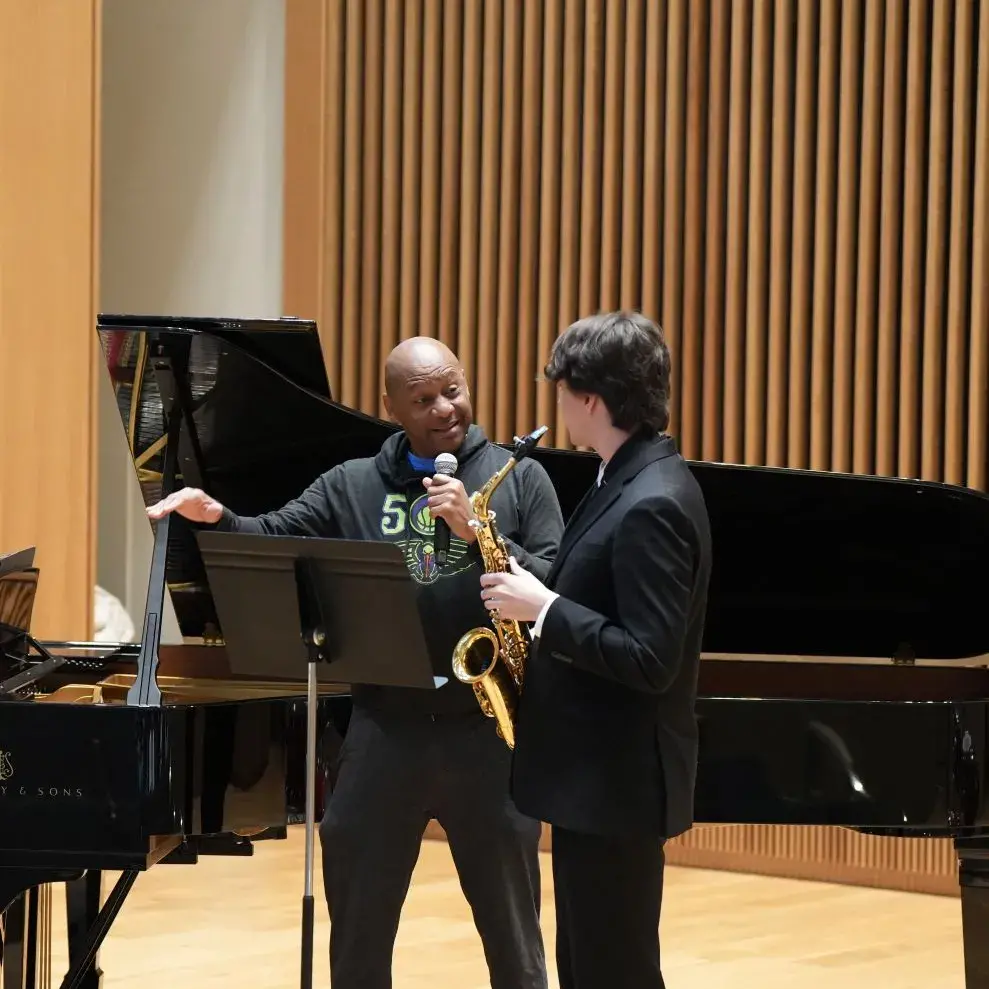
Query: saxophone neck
[(523, 447), (480, 499)]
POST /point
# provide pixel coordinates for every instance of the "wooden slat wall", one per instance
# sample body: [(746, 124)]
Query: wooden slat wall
[(49, 144), (799, 192)]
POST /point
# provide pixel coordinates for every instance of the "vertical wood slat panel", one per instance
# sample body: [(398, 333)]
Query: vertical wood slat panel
[(978, 381), (733, 412), (890, 247), (329, 310), (353, 171), (935, 274), (867, 263), (529, 218), (798, 192), (429, 133), (822, 291), (552, 155), (802, 267), (959, 248), (781, 224), (371, 243), (716, 177), (654, 149), (412, 125), (670, 310), (694, 200), (451, 97), (757, 273), (632, 153), (914, 215), (470, 177), (484, 375), (387, 305), (572, 128), (613, 131), (506, 322), (847, 233)]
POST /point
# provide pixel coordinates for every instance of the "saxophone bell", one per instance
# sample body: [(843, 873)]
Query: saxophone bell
[(477, 660)]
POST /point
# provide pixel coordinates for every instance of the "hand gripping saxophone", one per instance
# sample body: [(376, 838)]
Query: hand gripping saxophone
[(497, 682)]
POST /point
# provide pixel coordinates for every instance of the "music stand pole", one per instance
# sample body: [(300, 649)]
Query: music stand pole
[(312, 620), (307, 897)]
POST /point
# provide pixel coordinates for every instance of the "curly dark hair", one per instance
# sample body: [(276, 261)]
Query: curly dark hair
[(622, 357)]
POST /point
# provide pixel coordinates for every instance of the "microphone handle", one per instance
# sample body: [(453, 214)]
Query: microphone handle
[(441, 530), (441, 541)]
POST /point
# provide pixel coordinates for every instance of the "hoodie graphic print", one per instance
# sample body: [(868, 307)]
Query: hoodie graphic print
[(411, 526)]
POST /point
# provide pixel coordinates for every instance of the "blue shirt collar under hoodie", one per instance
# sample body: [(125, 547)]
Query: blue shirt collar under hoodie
[(425, 465), (400, 468)]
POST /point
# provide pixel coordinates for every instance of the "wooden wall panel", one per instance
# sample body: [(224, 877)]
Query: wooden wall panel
[(798, 192), (49, 58)]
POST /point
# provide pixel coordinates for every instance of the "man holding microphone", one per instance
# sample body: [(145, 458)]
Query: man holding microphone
[(412, 755)]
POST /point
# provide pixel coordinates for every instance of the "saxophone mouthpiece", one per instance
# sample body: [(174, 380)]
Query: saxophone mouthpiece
[(526, 444)]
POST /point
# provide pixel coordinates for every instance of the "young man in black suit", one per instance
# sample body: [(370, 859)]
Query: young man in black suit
[(606, 747)]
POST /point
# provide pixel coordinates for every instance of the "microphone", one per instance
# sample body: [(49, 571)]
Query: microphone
[(446, 464)]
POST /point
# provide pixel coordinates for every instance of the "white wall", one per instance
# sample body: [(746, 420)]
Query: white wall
[(191, 204)]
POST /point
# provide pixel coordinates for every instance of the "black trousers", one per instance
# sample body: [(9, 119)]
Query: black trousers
[(395, 773), (609, 893)]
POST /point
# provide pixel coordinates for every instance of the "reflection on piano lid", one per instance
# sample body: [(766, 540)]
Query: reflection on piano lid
[(805, 563)]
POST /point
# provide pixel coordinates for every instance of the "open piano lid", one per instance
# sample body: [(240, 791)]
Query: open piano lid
[(805, 563)]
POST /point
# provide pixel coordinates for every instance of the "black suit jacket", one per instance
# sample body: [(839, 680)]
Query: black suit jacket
[(606, 735)]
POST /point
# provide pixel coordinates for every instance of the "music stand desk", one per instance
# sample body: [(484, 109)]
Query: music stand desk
[(319, 611)]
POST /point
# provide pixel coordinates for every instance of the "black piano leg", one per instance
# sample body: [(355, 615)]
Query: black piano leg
[(82, 906), (973, 877), (15, 944), (20, 914)]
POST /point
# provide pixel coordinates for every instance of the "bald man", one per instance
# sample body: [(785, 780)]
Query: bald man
[(412, 755)]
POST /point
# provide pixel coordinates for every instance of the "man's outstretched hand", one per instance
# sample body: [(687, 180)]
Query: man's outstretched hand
[(190, 503)]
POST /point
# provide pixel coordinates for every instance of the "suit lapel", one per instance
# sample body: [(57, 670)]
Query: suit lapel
[(594, 508), (598, 500)]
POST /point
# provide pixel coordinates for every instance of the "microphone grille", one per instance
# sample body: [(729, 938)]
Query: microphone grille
[(446, 463)]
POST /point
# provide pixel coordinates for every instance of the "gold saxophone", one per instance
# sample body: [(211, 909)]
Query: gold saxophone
[(497, 681)]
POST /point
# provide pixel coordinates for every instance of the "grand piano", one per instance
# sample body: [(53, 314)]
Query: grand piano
[(844, 678)]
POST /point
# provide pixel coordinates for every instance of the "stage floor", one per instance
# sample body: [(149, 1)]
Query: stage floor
[(235, 922)]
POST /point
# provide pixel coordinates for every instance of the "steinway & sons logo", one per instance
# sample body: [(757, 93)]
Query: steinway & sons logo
[(37, 792)]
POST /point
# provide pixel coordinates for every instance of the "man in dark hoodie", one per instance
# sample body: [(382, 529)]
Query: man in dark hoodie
[(412, 755)]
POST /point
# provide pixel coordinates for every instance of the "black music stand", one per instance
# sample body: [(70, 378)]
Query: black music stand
[(326, 610), (14, 562)]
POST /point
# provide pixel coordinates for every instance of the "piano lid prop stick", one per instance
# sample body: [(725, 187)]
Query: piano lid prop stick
[(145, 692)]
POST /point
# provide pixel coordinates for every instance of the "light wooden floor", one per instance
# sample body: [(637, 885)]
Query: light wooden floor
[(235, 923)]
